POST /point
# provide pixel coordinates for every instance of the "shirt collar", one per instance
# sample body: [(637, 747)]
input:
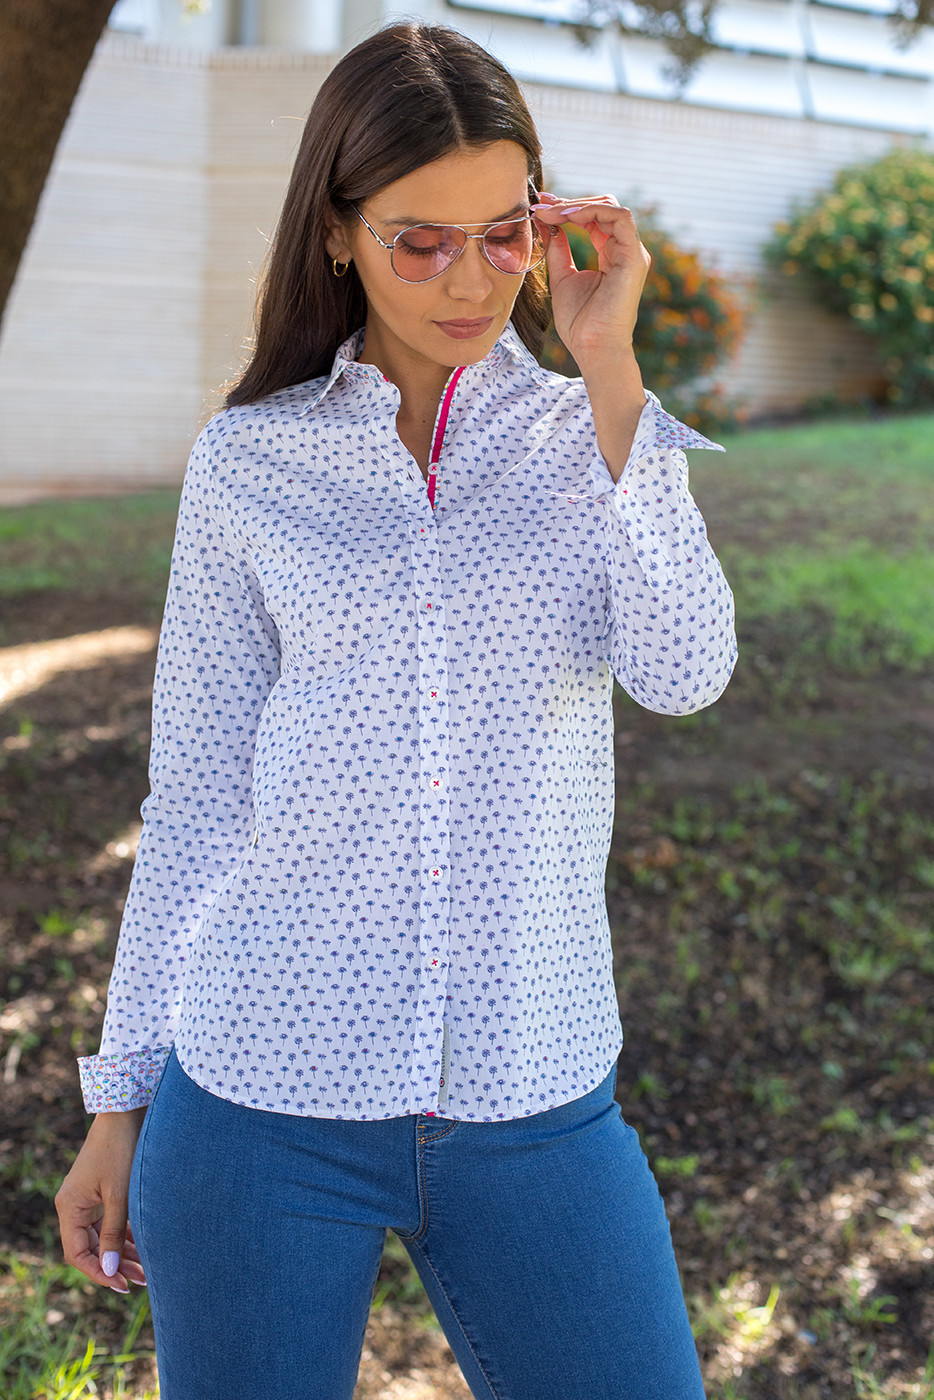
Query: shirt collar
[(509, 347)]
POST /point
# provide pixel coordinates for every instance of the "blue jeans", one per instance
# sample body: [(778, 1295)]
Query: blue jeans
[(542, 1243)]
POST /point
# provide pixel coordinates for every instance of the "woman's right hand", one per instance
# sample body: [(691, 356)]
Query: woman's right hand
[(92, 1203)]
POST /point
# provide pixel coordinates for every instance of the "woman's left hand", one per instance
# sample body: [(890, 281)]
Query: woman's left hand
[(594, 309)]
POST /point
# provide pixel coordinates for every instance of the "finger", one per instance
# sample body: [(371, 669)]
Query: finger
[(131, 1263), (606, 219), (600, 221), (79, 1247), (620, 254), (567, 209), (561, 200), (131, 1266), (112, 1231), (558, 256), (614, 235), (79, 1244)]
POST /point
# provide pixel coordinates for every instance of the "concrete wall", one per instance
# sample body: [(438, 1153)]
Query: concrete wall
[(133, 299)]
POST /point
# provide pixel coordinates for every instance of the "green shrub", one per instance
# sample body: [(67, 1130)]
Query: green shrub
[(688, 322), (866, 246)]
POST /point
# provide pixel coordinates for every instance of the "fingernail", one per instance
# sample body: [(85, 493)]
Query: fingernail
[(574, 209), (110, 1262), (115, 1289)]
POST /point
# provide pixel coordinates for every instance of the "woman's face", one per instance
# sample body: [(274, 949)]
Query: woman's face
[(455, 319)]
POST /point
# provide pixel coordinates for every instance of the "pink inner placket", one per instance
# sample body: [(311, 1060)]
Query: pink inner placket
[(438, 442)]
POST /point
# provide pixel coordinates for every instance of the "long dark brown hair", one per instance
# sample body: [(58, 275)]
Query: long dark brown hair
[(404, 97)]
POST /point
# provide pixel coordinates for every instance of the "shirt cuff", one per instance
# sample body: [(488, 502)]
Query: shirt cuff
[(650, 481), (117, 1083), (655, 429)]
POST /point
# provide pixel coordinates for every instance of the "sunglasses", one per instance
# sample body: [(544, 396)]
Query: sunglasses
[(424, 251)]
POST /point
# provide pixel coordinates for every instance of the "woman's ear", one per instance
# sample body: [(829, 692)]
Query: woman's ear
[(336, 237)]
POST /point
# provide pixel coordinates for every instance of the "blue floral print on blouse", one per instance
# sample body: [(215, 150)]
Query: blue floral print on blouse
[(371, 875)]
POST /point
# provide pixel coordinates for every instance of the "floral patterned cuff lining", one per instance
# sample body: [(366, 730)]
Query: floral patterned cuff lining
[(117, 1083), (656, 429), (668, 431)]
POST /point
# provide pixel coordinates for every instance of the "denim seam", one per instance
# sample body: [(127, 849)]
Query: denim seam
[(367, 1314), (141, 1144), (473, 1350), (420, 1140), (425, 1136), (139, 1177)]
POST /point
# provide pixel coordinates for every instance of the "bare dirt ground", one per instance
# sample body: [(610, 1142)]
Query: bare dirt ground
[(770, 889)]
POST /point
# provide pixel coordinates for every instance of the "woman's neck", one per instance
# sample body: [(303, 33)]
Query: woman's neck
[(420, 381)]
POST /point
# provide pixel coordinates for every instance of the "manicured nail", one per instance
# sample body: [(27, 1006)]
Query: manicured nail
[(115, 1289), (110, 1262), (574, 209)]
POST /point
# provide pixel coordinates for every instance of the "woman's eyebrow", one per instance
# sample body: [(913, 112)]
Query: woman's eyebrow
[(408, 221)]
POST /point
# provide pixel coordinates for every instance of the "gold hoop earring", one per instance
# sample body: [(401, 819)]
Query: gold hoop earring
[(344, 266)]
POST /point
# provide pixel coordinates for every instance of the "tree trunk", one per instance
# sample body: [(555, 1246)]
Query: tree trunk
[(45, 46)]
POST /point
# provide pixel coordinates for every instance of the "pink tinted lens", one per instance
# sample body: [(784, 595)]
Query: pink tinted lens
[(514, 246), (425, 250)]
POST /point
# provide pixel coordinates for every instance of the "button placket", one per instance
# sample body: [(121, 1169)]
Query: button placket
[(434, 814)]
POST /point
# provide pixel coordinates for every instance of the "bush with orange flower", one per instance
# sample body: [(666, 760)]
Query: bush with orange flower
[(688, 322), (866, 247)]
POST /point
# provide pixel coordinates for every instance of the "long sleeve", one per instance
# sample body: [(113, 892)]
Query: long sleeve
[(671, 640), (218, 658), (382, 748)]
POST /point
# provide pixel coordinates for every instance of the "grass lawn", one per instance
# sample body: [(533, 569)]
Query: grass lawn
[(771, 892)]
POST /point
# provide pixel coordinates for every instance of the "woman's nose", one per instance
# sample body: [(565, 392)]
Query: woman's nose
[(471, 276)]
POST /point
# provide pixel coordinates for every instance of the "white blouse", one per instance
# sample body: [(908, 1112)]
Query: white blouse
[(371, 875)]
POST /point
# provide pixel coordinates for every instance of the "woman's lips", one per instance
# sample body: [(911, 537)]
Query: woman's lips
[(463, 330)]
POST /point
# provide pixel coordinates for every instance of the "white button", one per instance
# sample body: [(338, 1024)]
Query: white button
[(435, 784), (434, 695), (436, 873)]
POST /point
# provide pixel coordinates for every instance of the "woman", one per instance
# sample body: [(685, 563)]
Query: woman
[(364, 977)]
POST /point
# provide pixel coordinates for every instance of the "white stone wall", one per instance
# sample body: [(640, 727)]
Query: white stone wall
[(720, 180), (133, 299)]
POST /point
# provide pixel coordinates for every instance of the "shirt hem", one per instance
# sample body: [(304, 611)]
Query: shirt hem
[(595, 1079)]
